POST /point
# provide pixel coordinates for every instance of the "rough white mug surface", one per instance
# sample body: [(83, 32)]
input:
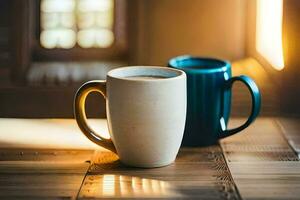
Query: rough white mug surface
[(146, 111)]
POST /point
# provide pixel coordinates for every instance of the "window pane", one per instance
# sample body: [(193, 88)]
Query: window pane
[(87, 22), (58, 24), (58, 38), (104, 38), (86, 38), (95, 23), (94, 5), (57, 6), (49, 20), (101, 38), (105, 19)]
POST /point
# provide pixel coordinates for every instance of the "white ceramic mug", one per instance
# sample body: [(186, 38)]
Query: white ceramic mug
[(146, 110)]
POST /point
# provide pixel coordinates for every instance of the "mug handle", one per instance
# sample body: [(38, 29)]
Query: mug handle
[(80, 115), (256, 104)]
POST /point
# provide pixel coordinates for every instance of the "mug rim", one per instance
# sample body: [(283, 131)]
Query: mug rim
[(175, 63), (117, 73)]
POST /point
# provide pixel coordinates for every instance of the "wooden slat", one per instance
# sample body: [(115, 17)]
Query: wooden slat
[(264, 135), (261, 162), (35, 167), (42, 173), (197, 173), (48, 155), (267, 180), (291, 129), (40, 179)]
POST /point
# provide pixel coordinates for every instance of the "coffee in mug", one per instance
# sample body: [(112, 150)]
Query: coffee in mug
[(144, 77)]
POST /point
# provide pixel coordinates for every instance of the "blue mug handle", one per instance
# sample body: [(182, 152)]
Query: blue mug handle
[(256, 104)]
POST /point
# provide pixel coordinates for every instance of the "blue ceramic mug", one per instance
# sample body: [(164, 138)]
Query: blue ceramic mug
[(209, 83)]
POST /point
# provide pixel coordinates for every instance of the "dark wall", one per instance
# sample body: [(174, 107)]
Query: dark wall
[(290, 90), (5, 56)]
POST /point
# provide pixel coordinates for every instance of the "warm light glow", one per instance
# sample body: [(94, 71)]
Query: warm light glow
[(94, 5), (62, 38), (57, 5), (130, 187), (127, 186), (147, 186), (157, 186), (269, 31), (108, 188), (89, 23), (95, 38), (57, 133)]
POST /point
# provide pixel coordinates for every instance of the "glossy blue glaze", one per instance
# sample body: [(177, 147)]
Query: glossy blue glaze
[(209, 83)]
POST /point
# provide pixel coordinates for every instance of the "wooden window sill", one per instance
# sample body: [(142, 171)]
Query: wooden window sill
[(66, 73)]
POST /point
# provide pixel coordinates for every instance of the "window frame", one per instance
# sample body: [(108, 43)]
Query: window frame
[(117, 51)]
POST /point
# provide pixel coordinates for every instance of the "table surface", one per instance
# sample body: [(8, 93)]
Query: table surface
[(51, 159)]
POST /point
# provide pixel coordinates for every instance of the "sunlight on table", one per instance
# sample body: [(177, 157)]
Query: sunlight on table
[(48, 133), (111, 185)]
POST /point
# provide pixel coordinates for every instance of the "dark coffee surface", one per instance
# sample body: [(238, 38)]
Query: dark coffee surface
[(145, 77)]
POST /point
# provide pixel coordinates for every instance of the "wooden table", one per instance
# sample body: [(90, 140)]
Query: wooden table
[(51, 159)]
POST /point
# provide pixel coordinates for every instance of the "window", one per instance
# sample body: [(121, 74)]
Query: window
[(80, 30), (65, 23), (269, 31)]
